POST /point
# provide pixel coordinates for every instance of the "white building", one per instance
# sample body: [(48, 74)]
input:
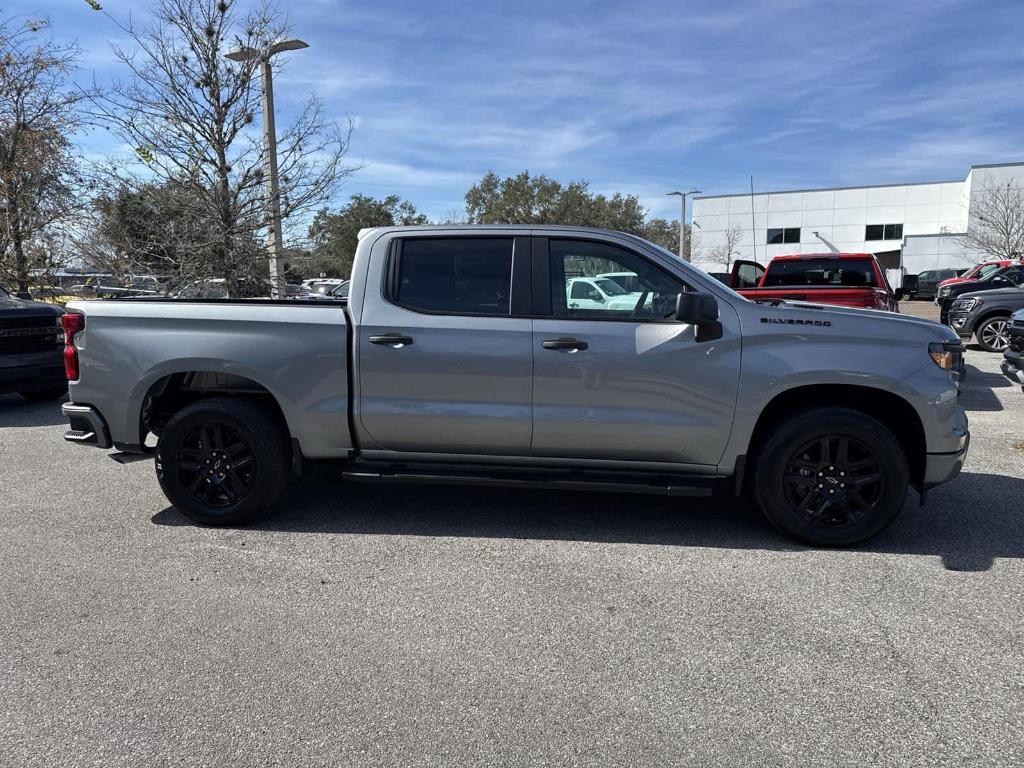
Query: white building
[(909, 225)]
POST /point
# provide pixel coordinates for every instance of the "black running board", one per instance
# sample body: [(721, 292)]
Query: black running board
[(691, 486)]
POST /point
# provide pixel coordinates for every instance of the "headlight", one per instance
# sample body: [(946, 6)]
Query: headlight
[(943, 293), (965, 305), (946, 354)]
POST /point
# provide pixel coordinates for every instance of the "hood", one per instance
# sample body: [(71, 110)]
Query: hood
[(14, 307), (995, 294), (883, 322), (957, 280)]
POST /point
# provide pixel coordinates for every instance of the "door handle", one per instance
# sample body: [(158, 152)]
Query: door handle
[(396, 340), (566, 342)]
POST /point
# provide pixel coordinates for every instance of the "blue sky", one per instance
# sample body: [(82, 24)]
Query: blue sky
[(644, 97)]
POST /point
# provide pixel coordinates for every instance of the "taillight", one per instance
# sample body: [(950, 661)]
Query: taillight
[(72, 323)]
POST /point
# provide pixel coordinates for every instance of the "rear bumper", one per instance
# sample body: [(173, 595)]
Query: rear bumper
[(87, 426)]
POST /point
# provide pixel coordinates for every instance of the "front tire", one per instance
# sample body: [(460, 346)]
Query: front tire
[(222, 461), (831, 477), (993, 334)]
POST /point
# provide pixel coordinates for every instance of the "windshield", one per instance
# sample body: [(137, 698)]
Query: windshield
[(611, 288), (984, 271), (822, 273)]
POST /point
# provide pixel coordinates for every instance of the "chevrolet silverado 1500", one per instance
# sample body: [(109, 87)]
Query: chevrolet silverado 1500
[(459, 357)]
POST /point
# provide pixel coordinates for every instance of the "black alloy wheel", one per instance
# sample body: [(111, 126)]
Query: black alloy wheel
[(834, 480), (215, 465), (830, 476), (223, 461)]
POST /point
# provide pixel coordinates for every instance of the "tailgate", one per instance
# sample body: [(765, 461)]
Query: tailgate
[(843, 297)]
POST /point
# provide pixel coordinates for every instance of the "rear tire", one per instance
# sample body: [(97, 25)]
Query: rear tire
[(222, 461), (831, 477), (993, 334), (49, 393)]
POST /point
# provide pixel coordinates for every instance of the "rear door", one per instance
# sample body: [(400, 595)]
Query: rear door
[(444, 347), (625, 383)]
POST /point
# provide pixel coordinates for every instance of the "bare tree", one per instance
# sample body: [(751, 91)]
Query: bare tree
[(189, 114), (726, 252), (38, 169), (996, 225)]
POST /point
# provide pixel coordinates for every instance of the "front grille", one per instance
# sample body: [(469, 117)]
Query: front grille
[(20, 335), (42, 321)]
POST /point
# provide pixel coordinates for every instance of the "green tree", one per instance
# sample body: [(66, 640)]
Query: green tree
[(335, 234), (151, 226), (526, 199)]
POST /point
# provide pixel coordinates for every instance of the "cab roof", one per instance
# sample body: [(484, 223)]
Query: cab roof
[(809, 256)]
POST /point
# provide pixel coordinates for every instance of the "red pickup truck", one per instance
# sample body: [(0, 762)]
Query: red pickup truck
[(844, 279)]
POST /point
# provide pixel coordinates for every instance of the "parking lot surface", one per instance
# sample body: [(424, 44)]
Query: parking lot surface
[(449, 626)]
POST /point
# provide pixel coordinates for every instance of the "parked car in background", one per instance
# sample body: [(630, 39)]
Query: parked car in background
[(1004, 277), (597, 293), (460, 358), (628, 281), (986, 316), (723, 277), (321, 289), (1013, 358), (979, 272), (843, 279), (31, 348), (927, 283)]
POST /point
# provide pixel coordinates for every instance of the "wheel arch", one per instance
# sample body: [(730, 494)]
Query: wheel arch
[(173, 391), (897, 414)]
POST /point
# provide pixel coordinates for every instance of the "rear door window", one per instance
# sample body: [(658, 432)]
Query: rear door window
[(821, 273), (454, 276)]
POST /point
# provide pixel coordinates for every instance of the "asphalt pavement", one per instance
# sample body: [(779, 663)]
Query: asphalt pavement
[(426, 626)]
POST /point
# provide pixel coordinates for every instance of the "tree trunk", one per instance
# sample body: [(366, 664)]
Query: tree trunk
[(21, 272)]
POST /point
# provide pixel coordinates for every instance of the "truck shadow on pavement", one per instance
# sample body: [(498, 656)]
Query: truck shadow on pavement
[(977, 392), (967, 523), (16, 411)]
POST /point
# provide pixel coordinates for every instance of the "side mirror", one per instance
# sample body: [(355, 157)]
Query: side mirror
[(24, 295), (701, 311), (696, 308)]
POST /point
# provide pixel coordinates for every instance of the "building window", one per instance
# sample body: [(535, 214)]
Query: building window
[(780, 236), (883, 232)]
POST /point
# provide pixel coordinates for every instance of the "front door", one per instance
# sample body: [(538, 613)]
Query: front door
[(444, 366), (745, 274), (625, 381)]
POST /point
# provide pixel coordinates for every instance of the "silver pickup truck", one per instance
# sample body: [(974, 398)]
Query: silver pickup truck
[(460, 357)]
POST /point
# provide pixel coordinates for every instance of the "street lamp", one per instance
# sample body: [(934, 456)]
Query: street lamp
[(245, 53), (683, 251)]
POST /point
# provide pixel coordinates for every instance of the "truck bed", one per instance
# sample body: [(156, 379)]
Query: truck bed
[(296, 350), (838, 295)]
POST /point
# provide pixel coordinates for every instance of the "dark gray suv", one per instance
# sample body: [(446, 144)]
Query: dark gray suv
[(986, 316)]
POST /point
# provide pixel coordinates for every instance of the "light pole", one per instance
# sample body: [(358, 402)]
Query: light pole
[(684, 253), (277, 289)]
